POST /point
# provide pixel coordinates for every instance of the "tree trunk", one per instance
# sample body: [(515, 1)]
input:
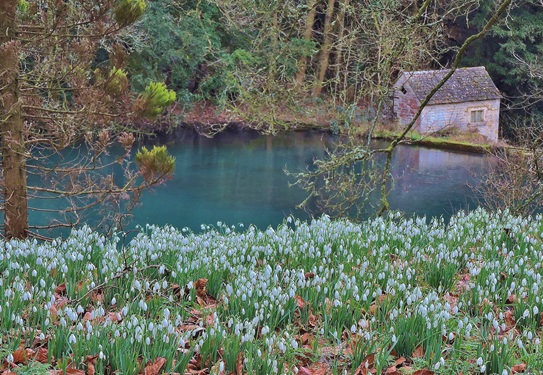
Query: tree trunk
[(272, 61), (11, 126), (340, 49), (308, 33), (325, 50)]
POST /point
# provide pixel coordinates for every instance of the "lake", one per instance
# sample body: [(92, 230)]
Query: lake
[(238, 177)]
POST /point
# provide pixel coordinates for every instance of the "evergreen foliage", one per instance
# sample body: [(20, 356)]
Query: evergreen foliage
[(153, 101), (129, 11), (185, 45), (155, 163)]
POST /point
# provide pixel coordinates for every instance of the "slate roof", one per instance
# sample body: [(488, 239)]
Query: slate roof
[(465, 85)]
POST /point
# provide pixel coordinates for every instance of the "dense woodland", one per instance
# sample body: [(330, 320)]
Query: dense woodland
[(253, 55), (95, 74)]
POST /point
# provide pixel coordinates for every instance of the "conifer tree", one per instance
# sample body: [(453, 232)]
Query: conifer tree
[(63, 83)]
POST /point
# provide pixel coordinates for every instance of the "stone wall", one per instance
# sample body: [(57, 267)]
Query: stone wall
[(442, 116), (406, 103), (459, 115)]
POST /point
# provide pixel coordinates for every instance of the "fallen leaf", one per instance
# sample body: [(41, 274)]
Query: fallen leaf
[(309, 275), (509, 318), (307, 338), (423, 372), (209, 320), (61, 289), (115, 317), (91, 361), (518, 368), (418, 353), (200, 287), (369, 359), (239, 364), (312, 321), (74, 371), (154, 368), (20, 356), (399, 362), (300, 302), (392, 370), (42, 355), (511, 299), (366, 366)]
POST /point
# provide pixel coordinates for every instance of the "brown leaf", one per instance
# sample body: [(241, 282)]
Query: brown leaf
[(511, 299), (190, 327), (309, 275), (307, 338), (115, 317), (318, 368), (20, 356), (209, 320), (201, 301), (300, 302), (239, 364), (42, 355), (61, 289), (154, 368), (91, 361), (366, 365), (518, 368), (399, 362), (392, 370), (200, 287), (423, 372), (418, 353), (312, 321), (509, 319), (74, 371)]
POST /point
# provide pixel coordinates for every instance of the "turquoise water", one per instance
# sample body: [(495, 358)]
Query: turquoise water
[(238, 177)]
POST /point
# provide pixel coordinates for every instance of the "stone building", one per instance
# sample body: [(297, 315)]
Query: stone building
[(468, 101)]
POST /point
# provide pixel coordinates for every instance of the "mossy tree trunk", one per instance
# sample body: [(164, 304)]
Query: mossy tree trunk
[(308, 35), (11, 124), (324, 56)]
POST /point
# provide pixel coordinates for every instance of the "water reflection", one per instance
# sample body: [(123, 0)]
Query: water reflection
[(238, 177), (435, 182)]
